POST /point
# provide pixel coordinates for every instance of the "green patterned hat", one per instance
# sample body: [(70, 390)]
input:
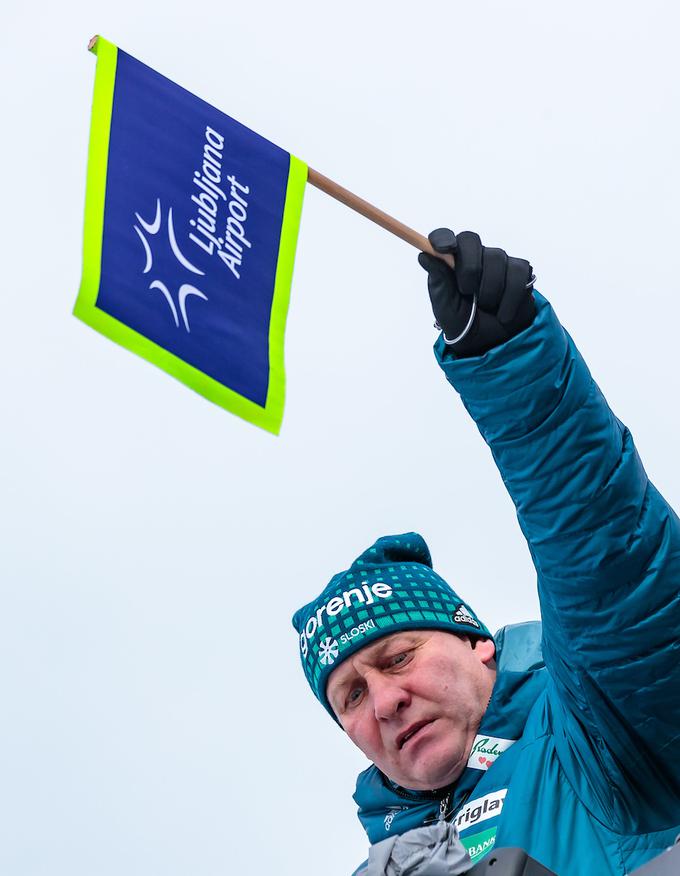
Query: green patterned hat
[(391, 587)]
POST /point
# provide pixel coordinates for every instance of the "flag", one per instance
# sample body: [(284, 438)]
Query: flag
[(191, 224)]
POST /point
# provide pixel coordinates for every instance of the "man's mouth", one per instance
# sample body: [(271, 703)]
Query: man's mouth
[(410, 732)]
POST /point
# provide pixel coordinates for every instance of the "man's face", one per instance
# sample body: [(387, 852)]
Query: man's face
[(413, 702)]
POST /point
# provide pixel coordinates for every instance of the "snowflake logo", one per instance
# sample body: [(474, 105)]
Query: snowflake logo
[(186, 289), (328, 651)]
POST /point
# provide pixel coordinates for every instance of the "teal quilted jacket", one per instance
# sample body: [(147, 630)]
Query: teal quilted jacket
[(578, 755)]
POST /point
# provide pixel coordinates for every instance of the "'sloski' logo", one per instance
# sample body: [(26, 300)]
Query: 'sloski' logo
[(186, 289), (358, 630)]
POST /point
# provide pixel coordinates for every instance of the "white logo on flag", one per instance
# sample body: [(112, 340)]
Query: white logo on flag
[(186, 289), (230, 246)]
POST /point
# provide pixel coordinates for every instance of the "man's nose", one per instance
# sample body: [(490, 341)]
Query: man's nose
[(388, 696)]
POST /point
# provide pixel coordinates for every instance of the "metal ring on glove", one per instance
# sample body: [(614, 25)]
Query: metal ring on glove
[(467, 328)]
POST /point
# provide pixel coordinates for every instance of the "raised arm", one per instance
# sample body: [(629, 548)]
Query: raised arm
[(606, 547)]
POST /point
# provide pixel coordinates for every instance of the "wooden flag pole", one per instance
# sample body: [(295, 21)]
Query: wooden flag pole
[(319, 181)]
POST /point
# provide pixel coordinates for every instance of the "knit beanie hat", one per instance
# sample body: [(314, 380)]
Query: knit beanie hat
[(389, 588)]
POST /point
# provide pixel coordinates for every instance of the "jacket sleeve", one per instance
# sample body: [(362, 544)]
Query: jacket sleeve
[(606, 547)]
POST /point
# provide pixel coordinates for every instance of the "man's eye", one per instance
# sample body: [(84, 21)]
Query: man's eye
[(354, 696), (398, 659)]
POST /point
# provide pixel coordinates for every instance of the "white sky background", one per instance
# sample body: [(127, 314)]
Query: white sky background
[(153, 547)]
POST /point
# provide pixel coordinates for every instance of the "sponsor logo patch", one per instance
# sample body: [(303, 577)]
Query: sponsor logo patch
[(359, 630), (328, 651), (485, 750), (462, 616), (479, 844), (392, 812), (480, 809), (357, 596)]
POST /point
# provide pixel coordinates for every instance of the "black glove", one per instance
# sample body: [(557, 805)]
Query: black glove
[(485, 301)]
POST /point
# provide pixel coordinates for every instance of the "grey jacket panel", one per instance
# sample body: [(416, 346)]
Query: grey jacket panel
[(434, 850)]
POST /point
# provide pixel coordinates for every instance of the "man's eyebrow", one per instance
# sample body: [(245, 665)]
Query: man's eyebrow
[(395, 642), (339, 687), (345, 680), (376, 652), (400, 640)]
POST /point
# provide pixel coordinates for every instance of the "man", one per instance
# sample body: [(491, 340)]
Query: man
[(561, 738)]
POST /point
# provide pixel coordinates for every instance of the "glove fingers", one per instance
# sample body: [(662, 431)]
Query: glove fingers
[(501, 285), (486, 332), (493, 279), (468, 263), (518, 274), (450, 309), (441, 285), (443, 240), (439, 274), (431, 263)]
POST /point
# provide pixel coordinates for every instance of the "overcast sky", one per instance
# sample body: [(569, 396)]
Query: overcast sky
[(155, 718)]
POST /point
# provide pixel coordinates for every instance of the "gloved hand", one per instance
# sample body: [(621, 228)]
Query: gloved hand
[(485, 300)]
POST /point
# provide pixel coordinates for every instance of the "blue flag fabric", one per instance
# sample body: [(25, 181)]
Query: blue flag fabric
[(190, 231)]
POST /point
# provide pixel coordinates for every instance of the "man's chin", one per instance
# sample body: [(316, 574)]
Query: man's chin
[(432, 768), (432, 780)]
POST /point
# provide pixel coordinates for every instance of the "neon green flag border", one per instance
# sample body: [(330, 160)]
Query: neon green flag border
[(268, 417)]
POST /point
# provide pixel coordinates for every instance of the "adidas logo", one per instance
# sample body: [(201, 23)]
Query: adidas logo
[(463, 616)]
